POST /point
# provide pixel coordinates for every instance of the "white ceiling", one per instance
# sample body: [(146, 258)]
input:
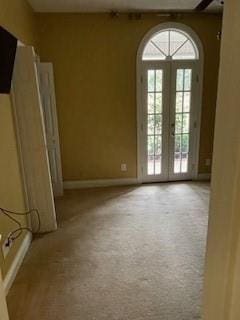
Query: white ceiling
[(116, 5)]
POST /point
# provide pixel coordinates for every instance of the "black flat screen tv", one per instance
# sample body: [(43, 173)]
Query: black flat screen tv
[(8, 47)]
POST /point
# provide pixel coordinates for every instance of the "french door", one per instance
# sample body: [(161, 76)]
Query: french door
[(168, 120)]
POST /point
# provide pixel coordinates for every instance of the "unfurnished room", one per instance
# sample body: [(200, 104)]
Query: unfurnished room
[(120, 160)]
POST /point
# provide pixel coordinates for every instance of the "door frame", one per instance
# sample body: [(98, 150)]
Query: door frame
[(199, 92)]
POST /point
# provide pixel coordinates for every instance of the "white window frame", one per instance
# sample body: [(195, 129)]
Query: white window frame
[(171, 56)]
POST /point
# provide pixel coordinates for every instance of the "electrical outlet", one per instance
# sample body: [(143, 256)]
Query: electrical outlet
[(123, 167), (6, 246), (208, 162)]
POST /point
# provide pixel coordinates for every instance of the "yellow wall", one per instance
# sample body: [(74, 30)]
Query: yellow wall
[(94, 60), (222, 280), (11, 192), (3, 305), (17, 17)]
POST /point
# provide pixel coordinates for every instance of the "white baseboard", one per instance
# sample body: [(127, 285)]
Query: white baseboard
[(99, 183), (11, 275), (81, 184), (204, 177)]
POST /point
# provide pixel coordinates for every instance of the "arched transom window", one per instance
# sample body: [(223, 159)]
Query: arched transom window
[(170, 44)]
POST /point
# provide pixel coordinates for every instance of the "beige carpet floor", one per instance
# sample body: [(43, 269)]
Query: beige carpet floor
[(122, 253)]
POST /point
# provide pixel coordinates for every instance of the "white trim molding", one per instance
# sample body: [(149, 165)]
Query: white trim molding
[(17, 262), (99, 183), (85, 184)]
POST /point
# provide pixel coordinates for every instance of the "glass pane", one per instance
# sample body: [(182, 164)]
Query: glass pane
[(180, 80), (159, 77), (158, 103), (158, 164), (185, 143), (152, 53), (151, 80), (151, 124), (186, 52), (178, 123), (186, 122), (161, 41), (187, 79), (179, 101), (151, 103), (151, 145), (158, 145), (150, 165), (170, 43), (176, 40), (158, 124), (184, 168), (177, 163), (177, 144), (187, 101)]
